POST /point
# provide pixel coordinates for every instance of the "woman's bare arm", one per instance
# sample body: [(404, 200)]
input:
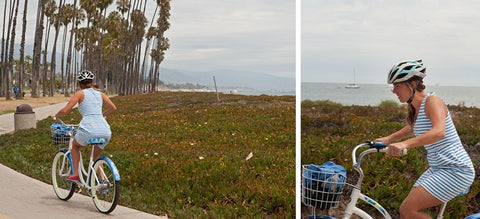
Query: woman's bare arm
[(109, 104), (71, 103)]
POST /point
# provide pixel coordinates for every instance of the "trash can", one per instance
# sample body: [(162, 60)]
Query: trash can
[(24, 117)]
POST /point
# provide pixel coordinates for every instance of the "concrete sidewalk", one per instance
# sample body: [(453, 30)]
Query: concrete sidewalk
[(6, 120), (25, 197)]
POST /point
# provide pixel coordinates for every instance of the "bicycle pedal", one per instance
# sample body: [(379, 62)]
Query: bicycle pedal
[(78, 189)]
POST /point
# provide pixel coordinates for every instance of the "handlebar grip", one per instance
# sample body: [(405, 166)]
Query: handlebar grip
[(381, 144)]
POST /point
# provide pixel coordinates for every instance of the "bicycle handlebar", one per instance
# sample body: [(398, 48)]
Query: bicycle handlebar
[(373, 147), (61, 121)]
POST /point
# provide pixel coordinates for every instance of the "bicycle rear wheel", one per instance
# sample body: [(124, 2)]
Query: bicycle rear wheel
[(63, 189), (104, 182)]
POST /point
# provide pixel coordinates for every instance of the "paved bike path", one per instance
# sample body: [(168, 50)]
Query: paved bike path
[(25, 197)]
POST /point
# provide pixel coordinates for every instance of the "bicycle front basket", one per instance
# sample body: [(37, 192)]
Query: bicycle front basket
[(322, 185), (61, 134)]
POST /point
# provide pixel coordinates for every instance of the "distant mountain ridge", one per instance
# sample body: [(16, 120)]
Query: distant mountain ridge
[(224, 78), (228, 78)]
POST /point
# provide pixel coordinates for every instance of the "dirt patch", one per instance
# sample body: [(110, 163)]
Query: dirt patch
[(9, 106)]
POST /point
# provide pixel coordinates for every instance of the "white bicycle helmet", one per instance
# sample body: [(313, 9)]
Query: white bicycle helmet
[(403, 71), (85, 74)]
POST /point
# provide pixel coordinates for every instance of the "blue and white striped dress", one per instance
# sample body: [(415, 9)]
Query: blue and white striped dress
[(451, 170), (93, 124)]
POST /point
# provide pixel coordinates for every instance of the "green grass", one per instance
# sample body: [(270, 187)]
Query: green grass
[(387, 103), (330, 132), (157, 143)]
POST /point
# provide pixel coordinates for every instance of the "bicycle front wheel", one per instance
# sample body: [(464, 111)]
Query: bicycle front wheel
[(61, 168), (104, 182)]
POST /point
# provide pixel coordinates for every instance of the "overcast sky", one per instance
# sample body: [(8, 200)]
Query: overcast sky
[(369, 36), (248, 35)]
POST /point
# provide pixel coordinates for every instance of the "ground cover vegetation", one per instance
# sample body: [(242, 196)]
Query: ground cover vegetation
[(183, 154), (330, 131)]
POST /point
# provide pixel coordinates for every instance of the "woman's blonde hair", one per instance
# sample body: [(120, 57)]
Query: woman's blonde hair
[(411, 109)]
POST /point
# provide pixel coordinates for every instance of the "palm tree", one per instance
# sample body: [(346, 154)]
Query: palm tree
[(110, 44), (66, 19), (102, 6), (2, 60), (28, 70), (37, 49), (139, 23), (50, 7), (22, 53), (5, 72), (149, 35), (123, 6), (57, 17), (89, 36), (162, 42), (78, 17), (10, 55)]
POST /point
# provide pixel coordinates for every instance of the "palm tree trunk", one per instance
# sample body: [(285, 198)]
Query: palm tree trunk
[(62, 64), (10, 55), (54, 51), (37, 49), (69, 53), (2, 58), (45, 52), (6, 72), (22, 53)]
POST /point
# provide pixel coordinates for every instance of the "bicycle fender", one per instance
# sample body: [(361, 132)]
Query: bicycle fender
[(69, 156), (116, 174)]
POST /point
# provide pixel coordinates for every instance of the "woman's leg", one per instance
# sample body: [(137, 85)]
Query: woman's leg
[(96, 155), (75, 156), (418, 200)]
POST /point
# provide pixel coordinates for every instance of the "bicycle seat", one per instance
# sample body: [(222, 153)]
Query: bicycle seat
[(95, 141)]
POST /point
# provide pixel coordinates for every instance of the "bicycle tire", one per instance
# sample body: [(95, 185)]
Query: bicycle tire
[(104, 197), (63, 189)]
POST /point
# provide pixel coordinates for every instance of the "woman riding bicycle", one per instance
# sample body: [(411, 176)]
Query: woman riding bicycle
[(429, 124), (93, 123)]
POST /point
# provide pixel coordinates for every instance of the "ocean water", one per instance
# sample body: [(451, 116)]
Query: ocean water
[(251, 91), (374, 94)]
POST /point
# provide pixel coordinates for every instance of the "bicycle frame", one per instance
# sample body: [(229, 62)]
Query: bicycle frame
[(374, 147), (81, 168), (356, 192)]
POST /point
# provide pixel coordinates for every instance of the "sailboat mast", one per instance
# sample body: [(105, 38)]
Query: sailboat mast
[(354, 85), (354, 79)]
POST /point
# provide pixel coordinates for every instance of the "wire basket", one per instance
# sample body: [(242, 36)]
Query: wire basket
[(62, 133), (321, 189)]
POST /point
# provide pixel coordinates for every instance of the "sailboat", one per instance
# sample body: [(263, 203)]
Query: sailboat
[(354, 85)]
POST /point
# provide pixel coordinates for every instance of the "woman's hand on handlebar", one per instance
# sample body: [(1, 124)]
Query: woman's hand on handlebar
[(396, 149), (384, 140)]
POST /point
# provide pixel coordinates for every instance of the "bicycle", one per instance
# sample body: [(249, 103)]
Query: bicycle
[(101, 180), (326, 198)]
